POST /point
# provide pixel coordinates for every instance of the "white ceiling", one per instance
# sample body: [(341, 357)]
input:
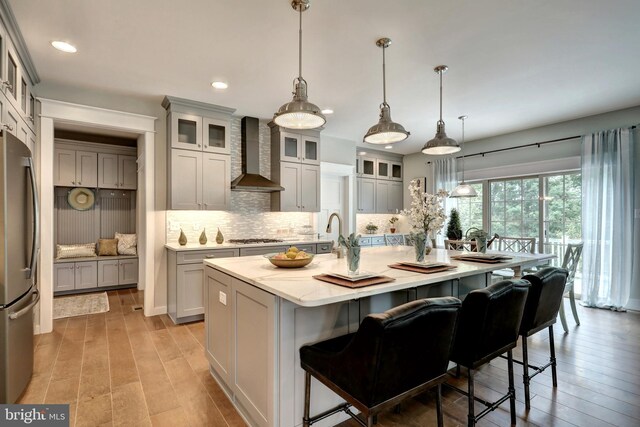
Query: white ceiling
[(512, 64)]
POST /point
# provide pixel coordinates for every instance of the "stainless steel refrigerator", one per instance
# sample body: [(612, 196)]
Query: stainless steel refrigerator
[(19, 234)]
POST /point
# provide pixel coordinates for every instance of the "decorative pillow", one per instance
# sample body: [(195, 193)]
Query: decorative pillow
[(108, 247), (127, 244), (75, 251)]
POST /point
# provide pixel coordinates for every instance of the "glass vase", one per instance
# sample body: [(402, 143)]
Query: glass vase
[(353, 260), (419, 241)]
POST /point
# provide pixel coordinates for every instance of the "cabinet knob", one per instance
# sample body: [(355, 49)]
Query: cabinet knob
[(79, 183), (198, 145), (73, 182), (122, 184)]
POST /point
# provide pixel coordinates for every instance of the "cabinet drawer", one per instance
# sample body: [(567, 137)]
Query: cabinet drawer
[(377, 241), (323, 248), (310, 249), (194, 257), (365, 241), (262, 250)]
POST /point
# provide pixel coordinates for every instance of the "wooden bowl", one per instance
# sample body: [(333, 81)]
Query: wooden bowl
[(289, 263)]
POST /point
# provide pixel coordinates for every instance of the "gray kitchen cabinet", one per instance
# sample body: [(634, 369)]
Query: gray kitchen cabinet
[(263, 250), (108, 273), (396, 197), (396, 171), (186, 180), (75, 168), (323, 248), (200, 181), (64, 277), (216, 137), (108, 170), (240, 342), (296, 147), (301, 184), (216, 181), (86, 275), (383, 169), (388, 196), (11, 119), (185, 131), (185, 275), (128, 271), (127, 172), (310, 248), (366, 189), (366, 167)]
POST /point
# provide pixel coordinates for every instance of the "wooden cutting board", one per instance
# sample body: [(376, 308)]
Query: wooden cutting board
[(356, 284), (480, 260), (424, 270)]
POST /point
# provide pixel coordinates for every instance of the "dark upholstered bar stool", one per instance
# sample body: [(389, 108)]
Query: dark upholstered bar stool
[(393, 356), (488, 326), (540, 312)]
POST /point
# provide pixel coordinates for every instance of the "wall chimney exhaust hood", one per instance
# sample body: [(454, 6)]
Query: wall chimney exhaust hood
[(250, 178)]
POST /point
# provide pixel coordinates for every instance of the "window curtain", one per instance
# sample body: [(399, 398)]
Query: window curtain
[(445, 178), (607, 218)]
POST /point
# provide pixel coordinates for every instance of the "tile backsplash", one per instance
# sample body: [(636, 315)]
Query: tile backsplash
[(250, 214)]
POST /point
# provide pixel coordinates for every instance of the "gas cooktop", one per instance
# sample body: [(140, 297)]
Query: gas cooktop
[(251, 241)]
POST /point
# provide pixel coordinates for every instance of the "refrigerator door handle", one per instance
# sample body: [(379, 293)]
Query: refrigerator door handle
[(35, 249), (17, 314)]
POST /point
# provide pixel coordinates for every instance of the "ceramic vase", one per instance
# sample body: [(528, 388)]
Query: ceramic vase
[(183, 238), (219, 237), (203, 237)]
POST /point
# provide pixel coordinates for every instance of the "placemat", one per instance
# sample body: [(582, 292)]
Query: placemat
[(480, 260), (424, 270), (359, 284)]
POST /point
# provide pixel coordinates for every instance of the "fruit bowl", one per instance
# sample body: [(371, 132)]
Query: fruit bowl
[(282, 261)]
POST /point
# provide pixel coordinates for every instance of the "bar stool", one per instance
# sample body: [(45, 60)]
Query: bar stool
[(393, 356), (488, 326), (540, 312)]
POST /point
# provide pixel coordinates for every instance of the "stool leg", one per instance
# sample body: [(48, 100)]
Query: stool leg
[(552, 350), (371, 420), (572, 300), (471, 421), (512, 389), (457, 370), (439, 405), (525, 373), (307, 398), (563, 319)]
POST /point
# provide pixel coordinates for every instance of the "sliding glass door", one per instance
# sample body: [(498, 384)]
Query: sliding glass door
[(514, 209)]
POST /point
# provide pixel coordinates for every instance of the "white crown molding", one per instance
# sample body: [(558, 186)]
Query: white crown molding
[(9, 21)]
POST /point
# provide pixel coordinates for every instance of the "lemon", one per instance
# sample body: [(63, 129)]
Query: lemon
[(291, 255), (294, 249)]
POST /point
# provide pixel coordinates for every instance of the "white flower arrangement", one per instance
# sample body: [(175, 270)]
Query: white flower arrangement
[(427, 212)]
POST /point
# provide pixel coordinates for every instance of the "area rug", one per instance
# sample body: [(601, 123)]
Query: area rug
[(79, 305)]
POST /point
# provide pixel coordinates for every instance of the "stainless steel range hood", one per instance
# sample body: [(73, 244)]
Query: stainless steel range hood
[(250, 178)]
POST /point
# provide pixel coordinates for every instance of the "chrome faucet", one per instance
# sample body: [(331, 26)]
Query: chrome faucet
[(338, 249)]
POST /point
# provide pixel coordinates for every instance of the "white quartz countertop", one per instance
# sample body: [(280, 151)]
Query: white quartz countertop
[(299, 286), (213, 245)]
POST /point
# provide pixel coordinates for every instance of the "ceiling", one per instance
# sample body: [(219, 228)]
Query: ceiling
[(512, 64)]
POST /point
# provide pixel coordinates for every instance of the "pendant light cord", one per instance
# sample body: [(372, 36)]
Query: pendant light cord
[(440, 72), (300, 45), (463, 154)]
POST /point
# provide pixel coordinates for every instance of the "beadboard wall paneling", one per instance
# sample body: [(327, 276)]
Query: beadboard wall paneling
[(117, 212), (74, 226)]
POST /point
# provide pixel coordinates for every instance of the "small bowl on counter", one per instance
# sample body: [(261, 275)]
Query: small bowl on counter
[(290, 259)]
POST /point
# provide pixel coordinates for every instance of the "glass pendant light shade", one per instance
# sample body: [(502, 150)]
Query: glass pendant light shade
[(386, 131), (441, 144), (299, 113), (463, 189)]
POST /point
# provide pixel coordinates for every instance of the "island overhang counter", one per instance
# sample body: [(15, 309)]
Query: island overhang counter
[(257, 317)]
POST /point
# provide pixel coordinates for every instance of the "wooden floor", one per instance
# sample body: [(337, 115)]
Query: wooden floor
[(120, 368)]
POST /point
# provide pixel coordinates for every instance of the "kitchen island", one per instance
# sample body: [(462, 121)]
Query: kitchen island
[(257, 317)]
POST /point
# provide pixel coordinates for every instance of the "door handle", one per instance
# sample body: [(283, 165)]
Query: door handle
[(17, 314), (35, 249)]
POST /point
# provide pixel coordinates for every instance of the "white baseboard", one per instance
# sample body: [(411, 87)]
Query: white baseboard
[(156, 311), (633, 304), (36, 329)]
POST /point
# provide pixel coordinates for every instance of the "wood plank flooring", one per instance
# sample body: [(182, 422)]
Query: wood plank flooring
[(121, 368)]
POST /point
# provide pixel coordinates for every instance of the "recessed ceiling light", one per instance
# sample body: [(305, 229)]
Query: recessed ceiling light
[(219, 85), (327, 111), (64, 46), (388, 147), (362, 153)]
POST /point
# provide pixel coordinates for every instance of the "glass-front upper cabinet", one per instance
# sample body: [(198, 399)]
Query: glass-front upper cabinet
[(12, 73), (367, 167), (310, 150), (290, 150), (216, 137), (383, 169), (186, 132), (395, 171)]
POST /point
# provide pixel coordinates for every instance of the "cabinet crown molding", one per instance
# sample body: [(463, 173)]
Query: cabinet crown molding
[(181, 105)]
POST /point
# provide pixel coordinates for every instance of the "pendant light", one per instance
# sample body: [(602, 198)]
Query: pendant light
[(386, 131), (463, 189), (441, 143), (299, 113)]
